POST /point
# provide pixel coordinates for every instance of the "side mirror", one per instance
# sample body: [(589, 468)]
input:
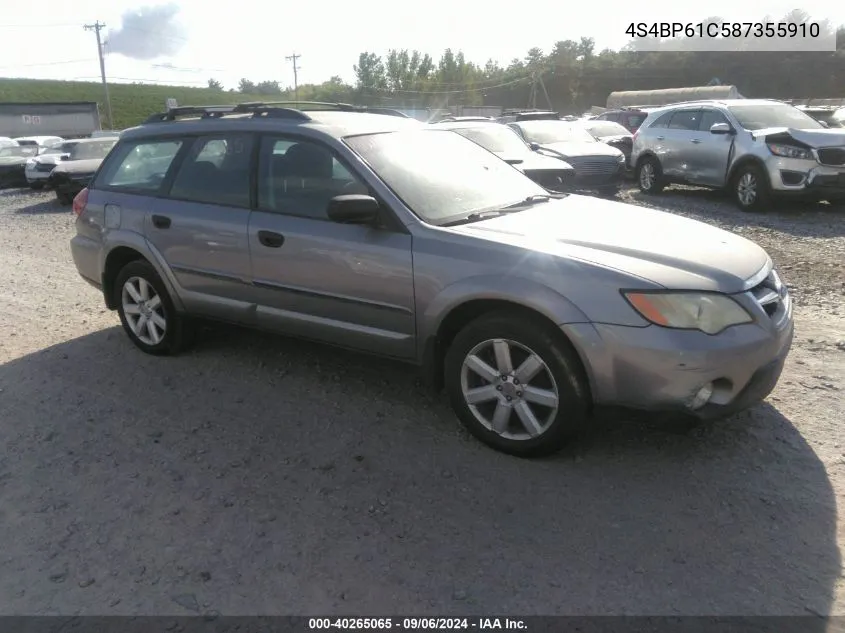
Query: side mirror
[(534, 146), (64, 157), (824, 124), (721, 128), (353, 209)]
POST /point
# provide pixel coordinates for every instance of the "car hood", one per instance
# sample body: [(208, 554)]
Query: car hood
[(49, 159), (14, 160), (532, 161), (666, 249), (78, 166), (581, 148), (813, 138)]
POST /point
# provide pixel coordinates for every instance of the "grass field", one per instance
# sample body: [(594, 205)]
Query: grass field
[(131, 103)]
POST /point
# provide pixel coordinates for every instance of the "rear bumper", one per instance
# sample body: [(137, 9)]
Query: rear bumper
[(33, 176), (86, 258), (658, 369)]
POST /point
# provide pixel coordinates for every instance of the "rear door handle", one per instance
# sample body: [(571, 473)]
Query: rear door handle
[(695, 140), (271, 239), (660, 138), (161, 222)]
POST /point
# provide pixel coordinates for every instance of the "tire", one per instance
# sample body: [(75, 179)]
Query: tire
[(174, 336), (560, 373), (649, 175), (36, 186), (64, 199), (750, 178)]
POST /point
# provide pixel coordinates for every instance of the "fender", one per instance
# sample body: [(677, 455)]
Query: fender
[(137, 242), (526, 293), (745, 160)]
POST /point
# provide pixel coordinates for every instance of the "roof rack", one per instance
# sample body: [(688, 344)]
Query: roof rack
[(304, 106), (269, 109)]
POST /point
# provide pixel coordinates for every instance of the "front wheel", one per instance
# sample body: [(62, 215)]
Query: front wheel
[(146, 311), (515, 386), (751, 189), (36, 186)]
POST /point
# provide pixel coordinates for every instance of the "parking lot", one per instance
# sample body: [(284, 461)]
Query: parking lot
[(258, 474)]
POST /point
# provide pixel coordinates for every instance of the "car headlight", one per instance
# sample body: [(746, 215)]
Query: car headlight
[(621, 157), (789, 151), (705, 311), (30, 163)]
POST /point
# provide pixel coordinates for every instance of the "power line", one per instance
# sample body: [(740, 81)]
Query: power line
[(69, 61), (97, 27), (292, 58)]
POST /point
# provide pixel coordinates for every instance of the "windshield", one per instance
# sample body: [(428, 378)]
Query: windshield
[(99, 149), (440, 175), (62, 148), (21, 151), (605, 128), (499, 139), (544, 132), (760, 117)]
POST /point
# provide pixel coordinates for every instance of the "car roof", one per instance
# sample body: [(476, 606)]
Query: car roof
[(99, 139), (715, 102), (345, 121), (466, 124)]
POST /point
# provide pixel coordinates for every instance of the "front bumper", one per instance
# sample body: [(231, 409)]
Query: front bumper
[(12, 176), (806, 179), (71, 185), (659, 369), (37, 176)]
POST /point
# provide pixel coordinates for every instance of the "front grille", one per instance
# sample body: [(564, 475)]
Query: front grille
[(771, 294), (832, 156), (593, 165), (555, 180)]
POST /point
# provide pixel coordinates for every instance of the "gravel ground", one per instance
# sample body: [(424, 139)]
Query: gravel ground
[(263, 475)]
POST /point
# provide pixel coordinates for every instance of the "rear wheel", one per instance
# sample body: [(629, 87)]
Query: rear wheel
[(650, 175), (147, 312), (515, 386)]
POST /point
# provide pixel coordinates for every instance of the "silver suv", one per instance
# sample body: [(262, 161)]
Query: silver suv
[(757, 149), (381, 234)]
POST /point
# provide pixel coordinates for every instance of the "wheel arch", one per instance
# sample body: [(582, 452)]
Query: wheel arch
[(744, 161), (550, 312), (643, 156), (130, 248)]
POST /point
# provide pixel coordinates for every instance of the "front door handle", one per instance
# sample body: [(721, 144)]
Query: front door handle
[(695, 140), (271, 239), (161, 222), (660, 138)]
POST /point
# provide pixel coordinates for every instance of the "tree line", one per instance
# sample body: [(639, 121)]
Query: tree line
[(571, 76)]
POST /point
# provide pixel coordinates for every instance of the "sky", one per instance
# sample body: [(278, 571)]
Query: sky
[(188, 42)]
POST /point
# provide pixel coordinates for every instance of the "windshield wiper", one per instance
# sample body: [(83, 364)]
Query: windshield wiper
[(530, 200), (474, 217)]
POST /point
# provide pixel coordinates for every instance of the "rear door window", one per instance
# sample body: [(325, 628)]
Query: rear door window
[(216, 170), (688, 120), (140, 166)]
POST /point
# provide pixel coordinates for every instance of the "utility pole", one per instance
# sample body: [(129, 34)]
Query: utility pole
[(97, 27), (292, 59)]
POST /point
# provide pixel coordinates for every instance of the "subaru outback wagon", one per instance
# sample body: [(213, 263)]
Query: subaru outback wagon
[(375, 232)]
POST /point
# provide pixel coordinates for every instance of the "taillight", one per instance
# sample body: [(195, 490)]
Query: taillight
[(80, 202)]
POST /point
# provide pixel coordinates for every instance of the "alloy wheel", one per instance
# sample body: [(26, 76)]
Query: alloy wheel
[(746, 189), (144, 310), (509, 389), (647, 176)]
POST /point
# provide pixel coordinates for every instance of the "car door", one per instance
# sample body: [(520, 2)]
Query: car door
[(680, 136), (200, 225), (713, 151), (346, 284)]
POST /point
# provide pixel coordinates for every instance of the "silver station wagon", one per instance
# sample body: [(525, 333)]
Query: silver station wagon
[(369, 230)]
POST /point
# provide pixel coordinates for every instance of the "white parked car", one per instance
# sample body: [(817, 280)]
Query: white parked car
[(38, 168), (5, 141), (40, 141)]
